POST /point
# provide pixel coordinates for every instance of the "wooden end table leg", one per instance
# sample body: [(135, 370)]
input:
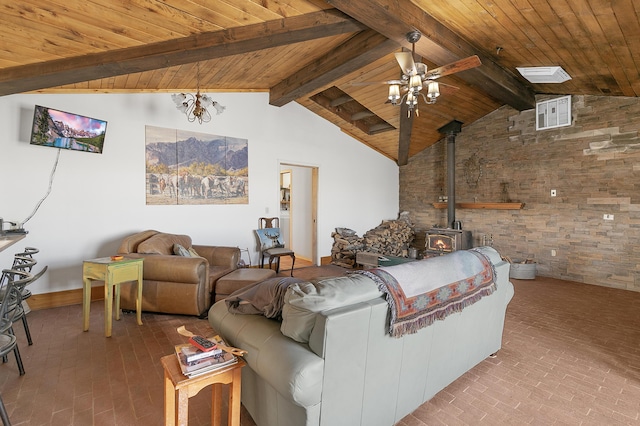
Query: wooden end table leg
[(139, 299), (234, 398), (108, 306), (86, 304), (182, 417), (169, 401), (117, 297), (216, 404)]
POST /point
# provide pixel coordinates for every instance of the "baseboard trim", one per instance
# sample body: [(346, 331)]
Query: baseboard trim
[(62, 298)]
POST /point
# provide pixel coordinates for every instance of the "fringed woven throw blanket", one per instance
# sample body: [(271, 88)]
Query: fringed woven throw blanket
[(424, 291)]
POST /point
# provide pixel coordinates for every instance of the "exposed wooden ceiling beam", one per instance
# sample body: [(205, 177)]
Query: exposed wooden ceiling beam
[(404, 139), (439, 45), (322, 100), (350, 110), (341, 100), (180, 51), (380, 127), (358, 51), (362, 114)]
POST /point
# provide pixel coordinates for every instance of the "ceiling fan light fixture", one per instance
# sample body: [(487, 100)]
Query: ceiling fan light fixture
[(433, 90), (415, 82), (394, 93), (414, 77), (412, 100), (412, 103)]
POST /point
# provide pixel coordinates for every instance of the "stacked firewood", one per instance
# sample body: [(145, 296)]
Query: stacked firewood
[(346, 244), (390, 238)]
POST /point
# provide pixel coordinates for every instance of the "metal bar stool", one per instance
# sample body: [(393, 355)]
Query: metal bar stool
[(25, 264), (13, 282)]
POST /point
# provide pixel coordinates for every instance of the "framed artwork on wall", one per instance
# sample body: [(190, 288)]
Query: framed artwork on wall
[(185, 167)]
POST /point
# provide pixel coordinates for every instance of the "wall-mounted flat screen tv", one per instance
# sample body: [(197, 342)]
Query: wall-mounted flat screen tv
[(59, 129)]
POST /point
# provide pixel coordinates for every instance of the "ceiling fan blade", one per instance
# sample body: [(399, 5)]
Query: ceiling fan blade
[(454, 67), (449, 85), (447, 88), (369, 83), (405, 60)]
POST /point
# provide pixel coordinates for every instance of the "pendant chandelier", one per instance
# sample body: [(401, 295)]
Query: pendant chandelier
[(195, 106)]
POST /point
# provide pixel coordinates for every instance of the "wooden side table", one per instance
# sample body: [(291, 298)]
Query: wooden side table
[(178, 388), (113, 273)]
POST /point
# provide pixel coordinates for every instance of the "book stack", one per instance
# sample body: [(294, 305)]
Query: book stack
[(194, 361)]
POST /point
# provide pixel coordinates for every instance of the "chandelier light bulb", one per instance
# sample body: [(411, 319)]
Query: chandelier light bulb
[(206, 101), (433, 91), (415, 82), (394, 93), (411, 99)]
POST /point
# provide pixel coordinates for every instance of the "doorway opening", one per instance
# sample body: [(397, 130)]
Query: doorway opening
[(298, 212)]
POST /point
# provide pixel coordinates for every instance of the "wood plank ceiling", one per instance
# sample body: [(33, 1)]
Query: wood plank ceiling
[(315, 53)]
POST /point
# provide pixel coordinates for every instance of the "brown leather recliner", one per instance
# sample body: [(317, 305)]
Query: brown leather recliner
[(175, 284)]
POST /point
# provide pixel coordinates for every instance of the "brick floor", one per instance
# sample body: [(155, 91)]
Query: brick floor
[(570, 356)]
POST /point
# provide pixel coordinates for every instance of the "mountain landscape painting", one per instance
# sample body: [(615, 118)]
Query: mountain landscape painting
[(185, 167)]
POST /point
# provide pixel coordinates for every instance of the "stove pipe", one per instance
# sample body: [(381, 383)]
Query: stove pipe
[(451, 130)]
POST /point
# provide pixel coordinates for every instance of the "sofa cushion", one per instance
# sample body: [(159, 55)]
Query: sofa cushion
[(178, 250), (163, 243), (303, 300)]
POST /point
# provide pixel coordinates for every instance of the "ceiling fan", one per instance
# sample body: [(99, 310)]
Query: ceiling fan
[(415, 77)]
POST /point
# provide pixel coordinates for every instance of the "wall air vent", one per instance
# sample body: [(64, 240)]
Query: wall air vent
[(553, 113)]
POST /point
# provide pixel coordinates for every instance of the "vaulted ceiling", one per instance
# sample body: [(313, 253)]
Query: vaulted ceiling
[(318, 53)]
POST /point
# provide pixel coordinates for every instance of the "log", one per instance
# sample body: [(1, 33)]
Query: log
[(390, 238)]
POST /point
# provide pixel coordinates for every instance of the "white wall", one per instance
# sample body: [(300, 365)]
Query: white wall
[(97, 199)]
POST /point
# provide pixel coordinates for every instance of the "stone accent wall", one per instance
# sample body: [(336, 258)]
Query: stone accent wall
[(594, 165)]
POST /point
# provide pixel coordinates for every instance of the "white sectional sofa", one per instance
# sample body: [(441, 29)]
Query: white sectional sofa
[(352, 372)]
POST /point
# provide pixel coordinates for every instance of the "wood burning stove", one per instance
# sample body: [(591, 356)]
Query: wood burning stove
[(441, 241)]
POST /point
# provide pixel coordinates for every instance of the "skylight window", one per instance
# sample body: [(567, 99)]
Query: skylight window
[(544, 74)]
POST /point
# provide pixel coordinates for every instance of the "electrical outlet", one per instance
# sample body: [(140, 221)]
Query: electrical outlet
[(553, 193), (607, 216), (553, 252)]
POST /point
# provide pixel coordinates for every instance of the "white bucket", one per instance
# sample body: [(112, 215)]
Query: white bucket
[(523, 271)]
